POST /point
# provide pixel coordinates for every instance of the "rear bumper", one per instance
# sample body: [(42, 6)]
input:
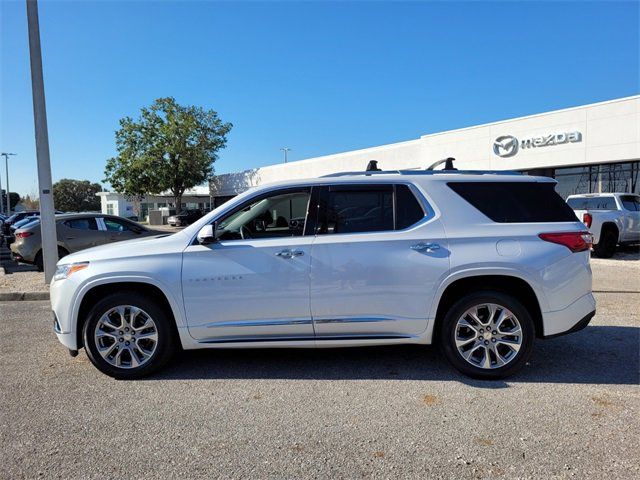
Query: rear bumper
[(570, 319), (576, 328)]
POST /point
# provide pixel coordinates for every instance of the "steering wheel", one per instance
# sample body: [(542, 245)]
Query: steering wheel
[(245, 233)]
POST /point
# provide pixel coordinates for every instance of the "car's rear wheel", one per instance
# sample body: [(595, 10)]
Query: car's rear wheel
[(487, 335), (606, 247), (127, 336), (39, 262)]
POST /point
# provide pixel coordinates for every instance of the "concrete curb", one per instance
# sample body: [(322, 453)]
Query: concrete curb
[(23, 296)]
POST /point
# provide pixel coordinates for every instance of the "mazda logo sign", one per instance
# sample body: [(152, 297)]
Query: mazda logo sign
[(505, 146)]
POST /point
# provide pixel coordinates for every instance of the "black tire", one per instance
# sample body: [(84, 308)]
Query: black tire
[(166, 342), (447, 332), (39, 262), (606, 247)]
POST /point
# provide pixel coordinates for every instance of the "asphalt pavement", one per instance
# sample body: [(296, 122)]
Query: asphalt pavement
[(574, 412)]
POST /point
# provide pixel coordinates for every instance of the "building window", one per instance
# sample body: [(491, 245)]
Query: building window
[(604, 178), (144, 210), (110, 208)]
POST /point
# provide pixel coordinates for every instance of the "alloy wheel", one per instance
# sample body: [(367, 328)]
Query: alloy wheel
[(126, 336), (488, 336)]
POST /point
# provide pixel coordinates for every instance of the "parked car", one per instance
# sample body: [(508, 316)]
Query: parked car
[(17, 216), (11, 236), (478, 263), (76, 231), (612, 218), (184, 218)]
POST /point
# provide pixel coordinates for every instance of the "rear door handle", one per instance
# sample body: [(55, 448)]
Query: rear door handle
[(289, 253), (425, 247)]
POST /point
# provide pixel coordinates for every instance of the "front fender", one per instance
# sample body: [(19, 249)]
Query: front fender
[(67, 296)]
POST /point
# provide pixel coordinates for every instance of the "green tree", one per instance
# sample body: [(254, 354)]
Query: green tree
[(170, 147), (14, 199), (31, 202), (76, 195)]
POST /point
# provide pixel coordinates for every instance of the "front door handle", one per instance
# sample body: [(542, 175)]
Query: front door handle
[(425, 247), (289, 253)]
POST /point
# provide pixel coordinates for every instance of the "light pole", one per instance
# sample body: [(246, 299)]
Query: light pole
[(6, 169), (285, 150), (47, 215), (1, 202)]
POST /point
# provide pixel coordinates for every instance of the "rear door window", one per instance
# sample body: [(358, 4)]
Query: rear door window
[(516, 202), (82, 224), (408, 209), (363, 208)]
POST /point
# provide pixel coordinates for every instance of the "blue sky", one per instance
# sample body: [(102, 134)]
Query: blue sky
[(319, 77)]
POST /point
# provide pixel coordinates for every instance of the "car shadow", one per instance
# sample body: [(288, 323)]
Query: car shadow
[(596, 355)]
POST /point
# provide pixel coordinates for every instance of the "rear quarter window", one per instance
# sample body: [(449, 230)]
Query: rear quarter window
[(516, 202)]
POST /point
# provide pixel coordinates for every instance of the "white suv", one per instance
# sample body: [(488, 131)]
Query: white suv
[(480, 263)]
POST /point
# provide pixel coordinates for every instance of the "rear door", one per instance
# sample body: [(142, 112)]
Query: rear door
[(377, 259), (80, 233)]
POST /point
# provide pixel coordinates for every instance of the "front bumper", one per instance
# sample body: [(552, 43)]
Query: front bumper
[(63, 298), (68, 339)]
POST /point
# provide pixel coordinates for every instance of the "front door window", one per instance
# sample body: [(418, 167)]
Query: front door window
[(281, 215)]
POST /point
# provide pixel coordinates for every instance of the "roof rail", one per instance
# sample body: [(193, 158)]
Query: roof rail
[(423, 172)]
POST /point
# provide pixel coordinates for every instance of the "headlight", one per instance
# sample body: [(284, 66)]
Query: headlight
[(65, 271)]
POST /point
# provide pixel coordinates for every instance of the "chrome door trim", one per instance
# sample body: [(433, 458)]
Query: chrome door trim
[(354, 320), (260, 323)]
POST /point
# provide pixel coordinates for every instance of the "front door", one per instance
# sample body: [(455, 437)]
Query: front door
[(252, 284), (376, 262)]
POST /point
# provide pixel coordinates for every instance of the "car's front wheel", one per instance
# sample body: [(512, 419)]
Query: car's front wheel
[(127, 336), (487, 335)]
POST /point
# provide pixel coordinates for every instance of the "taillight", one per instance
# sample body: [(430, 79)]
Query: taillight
[(574, 241), (23, 234), (587, 219)]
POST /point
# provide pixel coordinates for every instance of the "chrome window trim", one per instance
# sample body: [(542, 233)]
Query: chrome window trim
[(428, 209)]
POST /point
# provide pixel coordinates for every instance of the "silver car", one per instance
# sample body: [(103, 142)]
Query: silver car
[(76, 232)]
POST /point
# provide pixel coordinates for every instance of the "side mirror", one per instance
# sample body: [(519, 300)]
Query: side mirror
[(206, 235)]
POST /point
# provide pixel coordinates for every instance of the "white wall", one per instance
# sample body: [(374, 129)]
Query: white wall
[(610, 133)]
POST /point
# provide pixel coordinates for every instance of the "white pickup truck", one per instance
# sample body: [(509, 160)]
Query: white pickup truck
[(612, 218)]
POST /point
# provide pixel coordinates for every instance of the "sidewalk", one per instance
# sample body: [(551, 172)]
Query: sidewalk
[(20, 282)]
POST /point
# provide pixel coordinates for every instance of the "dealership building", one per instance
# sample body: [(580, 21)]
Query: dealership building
[(591, 148)]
